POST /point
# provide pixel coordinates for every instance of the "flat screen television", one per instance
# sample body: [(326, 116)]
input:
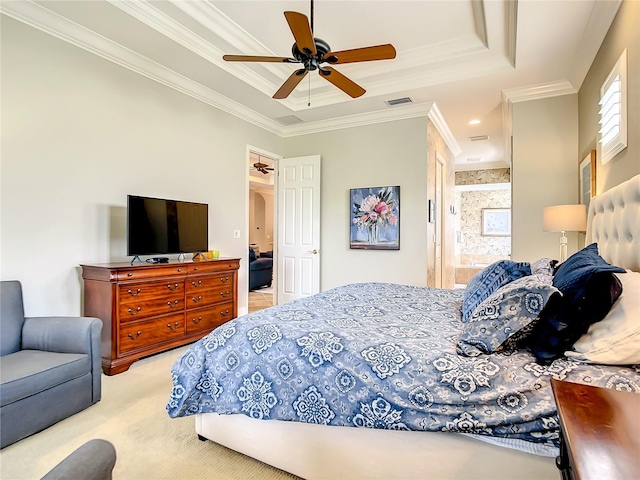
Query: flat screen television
[(159, 226)]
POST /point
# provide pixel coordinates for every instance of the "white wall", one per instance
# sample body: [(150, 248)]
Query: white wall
[(385, 154), (79, 133), (544, 172)]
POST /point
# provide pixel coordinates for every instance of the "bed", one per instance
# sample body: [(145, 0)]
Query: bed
[(290, 385)]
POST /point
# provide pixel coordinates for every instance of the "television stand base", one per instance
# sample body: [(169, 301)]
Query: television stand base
[(134, 259)]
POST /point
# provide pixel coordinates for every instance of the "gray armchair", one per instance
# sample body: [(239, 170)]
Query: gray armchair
[(50, 367)]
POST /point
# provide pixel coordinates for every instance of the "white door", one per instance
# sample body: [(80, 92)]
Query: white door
[(298, 227)]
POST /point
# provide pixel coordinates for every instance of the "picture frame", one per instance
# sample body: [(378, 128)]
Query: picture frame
[(587, 178), (496, 222), (374, 218)]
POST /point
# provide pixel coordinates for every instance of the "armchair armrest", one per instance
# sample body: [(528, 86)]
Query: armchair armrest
[(61, 334), (67, 335)]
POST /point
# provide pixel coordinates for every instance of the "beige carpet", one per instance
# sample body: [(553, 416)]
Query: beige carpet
[(149, 444)]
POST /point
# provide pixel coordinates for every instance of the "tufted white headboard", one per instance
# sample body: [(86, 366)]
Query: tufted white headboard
[(613, 223)]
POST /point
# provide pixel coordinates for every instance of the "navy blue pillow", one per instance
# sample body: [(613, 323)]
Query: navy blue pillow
[(252, 255), (484, 283), (573, 274), (589, 288)]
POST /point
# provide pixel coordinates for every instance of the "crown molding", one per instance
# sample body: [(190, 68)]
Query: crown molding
[(43, 19), (441, 125), (540, 91)]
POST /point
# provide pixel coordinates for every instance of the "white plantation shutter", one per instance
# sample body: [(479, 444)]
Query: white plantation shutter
[(613, 111)]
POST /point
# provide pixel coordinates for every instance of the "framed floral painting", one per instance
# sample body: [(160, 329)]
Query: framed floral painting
[(375, 218)]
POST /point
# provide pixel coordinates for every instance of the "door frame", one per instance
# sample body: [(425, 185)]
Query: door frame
[(244, 270)]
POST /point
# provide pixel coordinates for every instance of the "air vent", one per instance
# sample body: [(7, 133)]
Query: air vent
[(477, 138), (398, 101), (289, 120), (474, 159)]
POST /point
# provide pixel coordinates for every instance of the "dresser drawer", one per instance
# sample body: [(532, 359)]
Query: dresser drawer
[(136, 309), (209, 318), (196, 268), (138, 273), (194, 285), (201, 298), (143, 334), (144, 292)]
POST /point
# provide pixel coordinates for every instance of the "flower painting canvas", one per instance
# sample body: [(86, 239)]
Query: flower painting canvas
[(375, 218)]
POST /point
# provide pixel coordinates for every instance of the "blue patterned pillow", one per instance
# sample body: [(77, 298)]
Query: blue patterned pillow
[(506, 317), (484, 283)]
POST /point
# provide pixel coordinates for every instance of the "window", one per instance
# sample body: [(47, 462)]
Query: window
[(613, 111)]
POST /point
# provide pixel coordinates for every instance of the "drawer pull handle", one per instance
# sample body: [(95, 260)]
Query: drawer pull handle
[(179, 270), (174, 304), (197, 284), (224, 312), (197, 300), (195, 269), (138, 333), (224, 279), (225, 294), (172, 287), (129, 274), (196, 320), (175, 325), (132, 312), (130, 292)]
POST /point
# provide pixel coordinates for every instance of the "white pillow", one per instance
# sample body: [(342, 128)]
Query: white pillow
[(615, 340)]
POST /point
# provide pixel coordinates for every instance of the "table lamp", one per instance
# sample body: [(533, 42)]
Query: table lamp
[(564, 218)]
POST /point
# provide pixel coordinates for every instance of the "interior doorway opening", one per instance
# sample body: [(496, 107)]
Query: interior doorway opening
[(262, 285)]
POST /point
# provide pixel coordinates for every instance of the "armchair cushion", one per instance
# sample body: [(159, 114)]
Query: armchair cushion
[(29, 372)]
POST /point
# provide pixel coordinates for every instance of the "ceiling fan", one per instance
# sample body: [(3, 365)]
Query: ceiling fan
[(313, 52), (262, 167)]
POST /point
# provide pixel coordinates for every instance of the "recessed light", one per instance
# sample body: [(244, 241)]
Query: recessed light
[(474, 122)]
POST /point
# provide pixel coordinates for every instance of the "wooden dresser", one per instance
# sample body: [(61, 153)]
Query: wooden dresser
[(149, 308)]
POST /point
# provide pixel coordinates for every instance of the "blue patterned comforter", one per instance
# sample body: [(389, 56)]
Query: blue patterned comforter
[(375, 355)]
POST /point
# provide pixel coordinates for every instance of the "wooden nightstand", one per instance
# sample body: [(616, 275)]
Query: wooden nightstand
[(599, 428)]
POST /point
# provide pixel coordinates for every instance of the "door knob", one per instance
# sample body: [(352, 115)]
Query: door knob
[(314, 251)]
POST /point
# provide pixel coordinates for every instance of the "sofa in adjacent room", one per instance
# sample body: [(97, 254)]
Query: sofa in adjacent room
[(50, 367), (260, 271)]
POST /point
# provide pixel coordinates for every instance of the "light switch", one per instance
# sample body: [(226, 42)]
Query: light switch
[(236, 234)]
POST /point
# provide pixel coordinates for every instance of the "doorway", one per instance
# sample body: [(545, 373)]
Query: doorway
[(261, 230)]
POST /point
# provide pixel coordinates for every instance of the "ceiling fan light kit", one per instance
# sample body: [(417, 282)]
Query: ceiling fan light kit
[(313, 52)]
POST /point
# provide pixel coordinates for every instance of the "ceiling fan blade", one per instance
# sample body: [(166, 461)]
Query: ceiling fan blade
[(291, 83), (254, 58), (299, 25), (343, 83), (366, 54)]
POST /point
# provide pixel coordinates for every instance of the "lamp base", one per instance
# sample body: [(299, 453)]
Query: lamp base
[(563, 247)]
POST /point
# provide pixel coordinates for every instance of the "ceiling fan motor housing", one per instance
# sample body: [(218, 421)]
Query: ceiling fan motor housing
[(312, 62)]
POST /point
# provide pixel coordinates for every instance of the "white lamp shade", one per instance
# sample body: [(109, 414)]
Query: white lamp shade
[(565, 218)]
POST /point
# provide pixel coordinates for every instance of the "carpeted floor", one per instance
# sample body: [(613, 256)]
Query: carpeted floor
[(149, 444)]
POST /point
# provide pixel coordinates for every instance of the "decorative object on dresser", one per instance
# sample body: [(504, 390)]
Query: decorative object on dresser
[(599, 432), (150, 308)]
